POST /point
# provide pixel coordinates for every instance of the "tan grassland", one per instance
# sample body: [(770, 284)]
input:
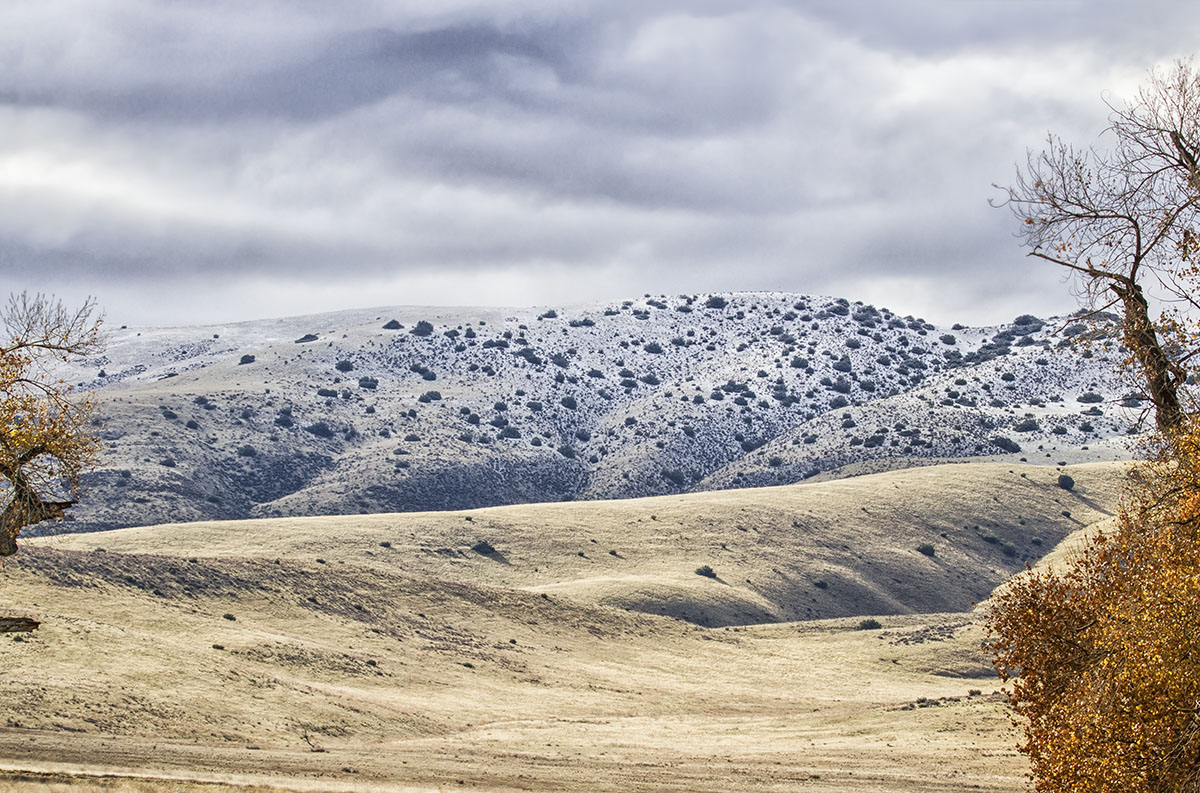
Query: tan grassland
[(380, 652)]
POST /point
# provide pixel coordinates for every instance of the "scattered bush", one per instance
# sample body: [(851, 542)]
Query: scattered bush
[(1066, 482), (320, 429), (869, 624), (926, 549), (245, 359), (706, 571), (1006, 444)]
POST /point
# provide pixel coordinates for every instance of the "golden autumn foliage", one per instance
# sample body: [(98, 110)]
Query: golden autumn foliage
[(1104, 658), (45, 445)]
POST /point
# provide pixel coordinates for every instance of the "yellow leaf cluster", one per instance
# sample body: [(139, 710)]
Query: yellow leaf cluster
[(1104, 659)]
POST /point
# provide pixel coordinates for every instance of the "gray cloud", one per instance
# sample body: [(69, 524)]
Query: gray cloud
[(208, 160)]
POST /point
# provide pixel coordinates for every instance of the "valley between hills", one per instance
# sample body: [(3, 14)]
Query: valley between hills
[(717, 640)]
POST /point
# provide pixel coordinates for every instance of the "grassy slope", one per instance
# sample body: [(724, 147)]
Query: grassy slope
[(425, 663)]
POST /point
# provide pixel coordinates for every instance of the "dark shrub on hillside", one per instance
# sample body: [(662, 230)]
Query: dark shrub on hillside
[(430, 396), (716, 301), (1006, 444), (392, 325), (926, 549), (1066, 482), (422, 328), (1026, 425), (569, 402), (483, 547), (869, 624), (1089, 397), (246, 359), (247, 451), (343, 366), (567, 451), (706, 571), (653, 347), (369, 383), (528, 354), (320, 429), (327, 392), (306, 338), (284, 421)]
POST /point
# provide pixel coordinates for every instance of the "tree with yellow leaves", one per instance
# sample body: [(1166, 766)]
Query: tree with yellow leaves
[(1103, 657), (45, 445)]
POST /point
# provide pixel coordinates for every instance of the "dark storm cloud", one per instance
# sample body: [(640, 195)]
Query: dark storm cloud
[(537, 152)]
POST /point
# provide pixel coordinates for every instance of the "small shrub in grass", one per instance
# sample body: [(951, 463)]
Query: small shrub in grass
[(706, 571), (245, 359), (1066, 482), (422, 328), (926, 549), (821, 583), (869, 624), (229, 617)]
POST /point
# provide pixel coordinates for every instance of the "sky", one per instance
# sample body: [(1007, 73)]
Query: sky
[(209, 161)]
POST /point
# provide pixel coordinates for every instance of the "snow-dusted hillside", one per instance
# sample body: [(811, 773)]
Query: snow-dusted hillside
[(404, 409)]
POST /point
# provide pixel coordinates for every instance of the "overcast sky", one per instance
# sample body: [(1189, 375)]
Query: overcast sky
[(195, 161)]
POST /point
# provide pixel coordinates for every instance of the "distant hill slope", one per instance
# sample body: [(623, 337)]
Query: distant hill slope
[(405, 409), (920, 540)]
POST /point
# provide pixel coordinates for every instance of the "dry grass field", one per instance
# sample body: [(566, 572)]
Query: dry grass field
[(577, 650)]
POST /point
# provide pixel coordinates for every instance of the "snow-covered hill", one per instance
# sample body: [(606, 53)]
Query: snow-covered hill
[(404, 409)]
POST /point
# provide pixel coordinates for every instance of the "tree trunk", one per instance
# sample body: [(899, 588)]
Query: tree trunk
[(1161, 375), (18, 625)]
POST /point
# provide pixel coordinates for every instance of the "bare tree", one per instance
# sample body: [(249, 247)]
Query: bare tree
[(44, 443), (1122, 219)]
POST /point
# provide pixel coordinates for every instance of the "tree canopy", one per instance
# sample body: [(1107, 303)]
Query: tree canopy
[(45, 445), (1103, 656), (1121, 217)]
